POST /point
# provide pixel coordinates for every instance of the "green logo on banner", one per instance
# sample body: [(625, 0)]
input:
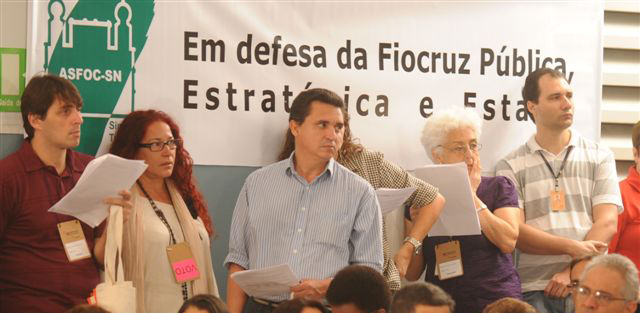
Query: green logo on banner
[(13, 62), (96, 47)]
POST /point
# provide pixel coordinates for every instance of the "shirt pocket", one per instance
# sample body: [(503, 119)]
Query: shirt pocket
[(332, 227)]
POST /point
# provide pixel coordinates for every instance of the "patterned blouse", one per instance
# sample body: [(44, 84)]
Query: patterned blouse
[(381, 173)]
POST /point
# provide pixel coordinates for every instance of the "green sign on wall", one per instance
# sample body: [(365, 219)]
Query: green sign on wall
[(13, 63)]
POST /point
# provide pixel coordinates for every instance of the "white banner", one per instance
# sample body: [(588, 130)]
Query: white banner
[(227, 72)]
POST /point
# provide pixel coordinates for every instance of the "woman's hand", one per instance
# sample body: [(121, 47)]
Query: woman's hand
[(475, 174), (124, 201)]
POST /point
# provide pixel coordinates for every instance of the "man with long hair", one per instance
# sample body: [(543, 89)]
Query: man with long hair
[(307, 211), (426, 202)]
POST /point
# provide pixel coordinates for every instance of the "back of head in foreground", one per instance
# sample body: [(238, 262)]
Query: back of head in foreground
[(301, 306), (87, 308), (422, 297), (509, 305), (358, 289), (203, 303)]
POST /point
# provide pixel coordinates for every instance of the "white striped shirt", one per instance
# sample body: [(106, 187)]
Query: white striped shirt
[(588, 179), (317, 228)]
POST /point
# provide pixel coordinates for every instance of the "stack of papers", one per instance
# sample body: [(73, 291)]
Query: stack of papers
[(265, 282), (393, 199), (458, 217), (103, 177)]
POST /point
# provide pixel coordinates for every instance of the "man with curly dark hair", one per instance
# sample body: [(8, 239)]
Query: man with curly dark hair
[(359, 289)]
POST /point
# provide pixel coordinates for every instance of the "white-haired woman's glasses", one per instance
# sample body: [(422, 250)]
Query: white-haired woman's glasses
[(462, 150)]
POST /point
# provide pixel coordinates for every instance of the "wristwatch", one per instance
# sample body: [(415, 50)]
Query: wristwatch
[(482, 207), (417, 244)]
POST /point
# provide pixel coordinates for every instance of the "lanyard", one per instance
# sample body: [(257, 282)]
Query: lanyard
[(564, 162), (185, 292), (158, 213)]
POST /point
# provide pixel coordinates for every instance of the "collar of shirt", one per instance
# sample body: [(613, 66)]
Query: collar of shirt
[(291, 170), (533, 145), (33, 163)]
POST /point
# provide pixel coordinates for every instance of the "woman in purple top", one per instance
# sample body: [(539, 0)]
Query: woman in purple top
[(488, 273)]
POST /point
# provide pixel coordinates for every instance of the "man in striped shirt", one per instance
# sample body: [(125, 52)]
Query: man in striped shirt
[(307, 211), (568, 193)]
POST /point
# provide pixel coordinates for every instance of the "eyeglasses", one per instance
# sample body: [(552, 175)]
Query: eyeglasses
[(157, 146), (573, 284), (462, 149), (602, 298)]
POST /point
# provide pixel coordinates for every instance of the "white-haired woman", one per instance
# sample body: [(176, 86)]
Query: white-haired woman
[(451, 136)]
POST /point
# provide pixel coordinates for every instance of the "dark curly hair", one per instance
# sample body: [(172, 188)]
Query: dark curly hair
[(361, 286), (125, 144)]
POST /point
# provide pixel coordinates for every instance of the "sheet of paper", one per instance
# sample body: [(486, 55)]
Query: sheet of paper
[(393, 199), (458, 217), (103, 177), (264, 282)]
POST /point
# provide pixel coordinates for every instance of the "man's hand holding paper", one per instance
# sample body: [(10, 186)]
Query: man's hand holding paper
[(103, 178)]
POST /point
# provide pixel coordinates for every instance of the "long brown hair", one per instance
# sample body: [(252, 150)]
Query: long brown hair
[(125, 144), (300, 109)]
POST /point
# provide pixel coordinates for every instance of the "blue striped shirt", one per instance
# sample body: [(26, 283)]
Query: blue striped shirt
[(317, 228)]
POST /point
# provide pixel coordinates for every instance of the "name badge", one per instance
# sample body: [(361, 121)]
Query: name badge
[(448, 260), (73, 241), (183, 264), (557, 200)]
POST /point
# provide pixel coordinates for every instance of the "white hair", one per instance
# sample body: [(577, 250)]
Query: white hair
[(441, 123), (623, 266)]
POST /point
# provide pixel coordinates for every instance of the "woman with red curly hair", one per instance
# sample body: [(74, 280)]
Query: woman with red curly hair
[(170, 225)]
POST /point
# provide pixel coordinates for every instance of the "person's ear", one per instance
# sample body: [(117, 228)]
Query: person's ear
[(35, 121), (294, 127), (531, 106), (630, 307), (436, 155)]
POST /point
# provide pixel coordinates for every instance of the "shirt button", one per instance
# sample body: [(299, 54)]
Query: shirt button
[(295, 251), (303, 208), (299, 230)]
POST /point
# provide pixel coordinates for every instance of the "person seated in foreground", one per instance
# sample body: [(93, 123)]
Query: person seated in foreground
[(509, 305), (608, 284), (86, 308), (203, 303), (359, 289), (301, 306), (422, 297)]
